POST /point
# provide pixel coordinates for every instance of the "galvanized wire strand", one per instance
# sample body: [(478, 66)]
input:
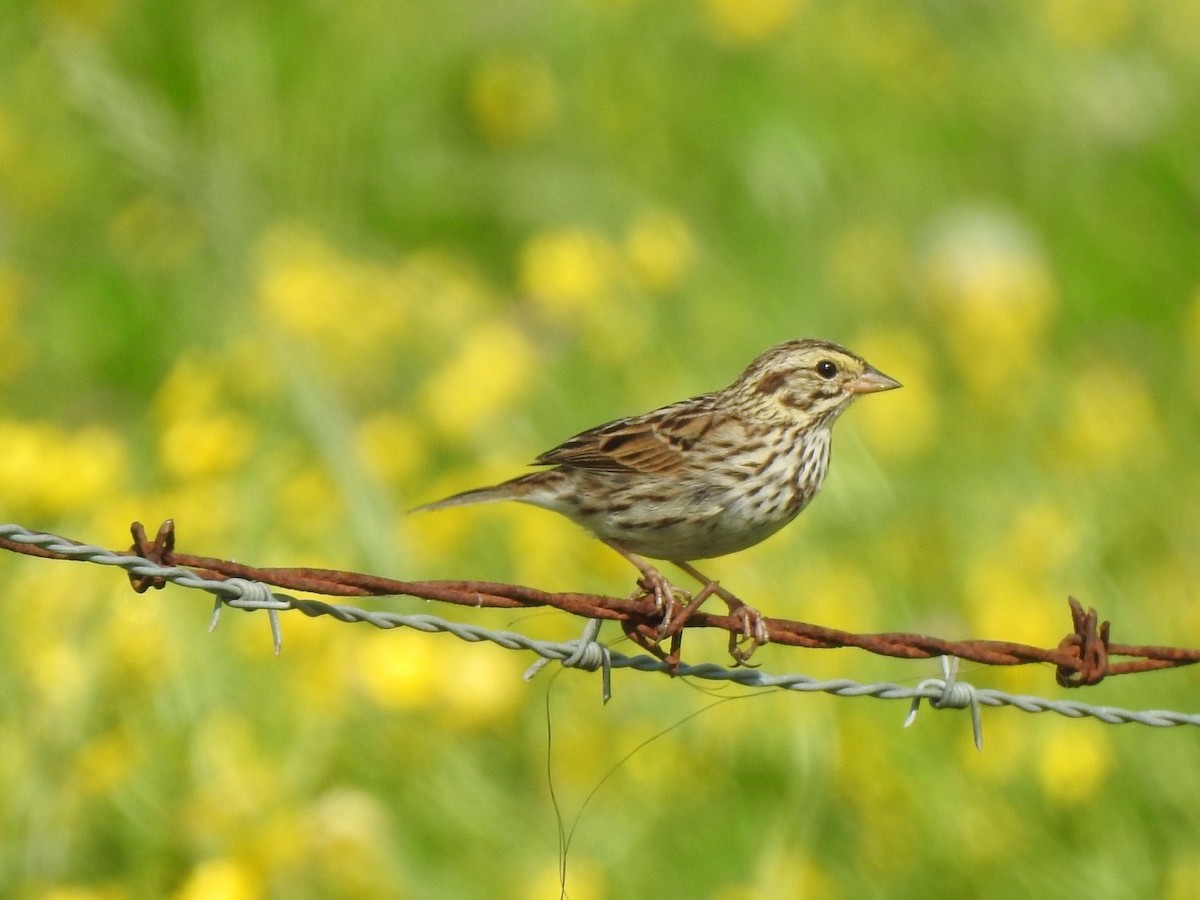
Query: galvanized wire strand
[(1084, 657), (588, 653)]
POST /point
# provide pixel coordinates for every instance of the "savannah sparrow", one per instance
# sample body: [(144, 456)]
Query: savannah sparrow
[(706, 476)]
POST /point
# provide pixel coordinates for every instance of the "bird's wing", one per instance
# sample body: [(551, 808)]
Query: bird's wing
[(657, 443)]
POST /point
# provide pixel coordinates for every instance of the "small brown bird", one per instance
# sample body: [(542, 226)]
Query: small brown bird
[(706, 476)]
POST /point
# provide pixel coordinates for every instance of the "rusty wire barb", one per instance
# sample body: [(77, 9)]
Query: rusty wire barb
[(1082, 656)]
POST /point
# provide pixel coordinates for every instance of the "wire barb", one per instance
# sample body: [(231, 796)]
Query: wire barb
[(948, 692), (589, 654), (1087, 651), (260, 595), (1090, 645), (159, 552)]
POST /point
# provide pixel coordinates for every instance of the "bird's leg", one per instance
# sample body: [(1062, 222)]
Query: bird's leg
[(753, 628), (678, 622), (654, 581), (650, 641)]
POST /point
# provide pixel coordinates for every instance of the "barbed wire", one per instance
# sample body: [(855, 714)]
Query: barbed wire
[(1083, 653)]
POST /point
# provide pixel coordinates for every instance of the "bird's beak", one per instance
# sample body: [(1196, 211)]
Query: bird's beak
[(873, 380)]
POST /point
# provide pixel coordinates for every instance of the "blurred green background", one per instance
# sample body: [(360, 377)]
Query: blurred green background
[(281, 270)]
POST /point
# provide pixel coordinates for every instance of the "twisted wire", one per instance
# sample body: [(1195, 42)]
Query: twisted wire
[(587, 652)]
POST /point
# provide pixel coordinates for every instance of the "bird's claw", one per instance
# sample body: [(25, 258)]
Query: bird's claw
[(667, 597), (752, 635), (676, 607)]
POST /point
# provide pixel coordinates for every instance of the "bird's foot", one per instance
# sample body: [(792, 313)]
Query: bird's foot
[(675, 607), (654, 584), (668, 600), (752, 631), (667, 597)]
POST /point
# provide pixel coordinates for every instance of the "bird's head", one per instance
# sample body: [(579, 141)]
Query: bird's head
[(809, 380)]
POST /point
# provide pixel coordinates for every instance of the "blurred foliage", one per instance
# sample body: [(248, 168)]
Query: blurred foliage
[(283, 270)]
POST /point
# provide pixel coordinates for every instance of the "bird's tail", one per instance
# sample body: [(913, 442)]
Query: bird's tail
[(508, 490)]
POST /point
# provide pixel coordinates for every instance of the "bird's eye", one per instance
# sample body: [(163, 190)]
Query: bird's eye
[(826, 368)]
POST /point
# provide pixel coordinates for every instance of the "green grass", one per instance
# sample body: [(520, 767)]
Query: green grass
[(281, 271)]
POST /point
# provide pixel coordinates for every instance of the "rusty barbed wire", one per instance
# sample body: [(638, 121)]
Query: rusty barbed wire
[(1083, 657)]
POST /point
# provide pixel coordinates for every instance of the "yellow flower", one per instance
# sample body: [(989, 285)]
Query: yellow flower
[(59, 674), (1074, 762), (1043, 539), (870, 785), (513, 98), (348, 309), (391, 446), (839, 595), (551, 553), (576, 276), (309, 504), (302, 284), (140, 643), (436, 539), (220, 879), (47, 470), (587, 879), (192, 387), (203, 507), (493, 368), (1109, 420), (1006, 741), (745, 22), (400, 669), (661, 250), (106, 762), (1004, 602), (96, 457), (479, 683), (194, 446), (567, 271), (992, 289), (197, 438)]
